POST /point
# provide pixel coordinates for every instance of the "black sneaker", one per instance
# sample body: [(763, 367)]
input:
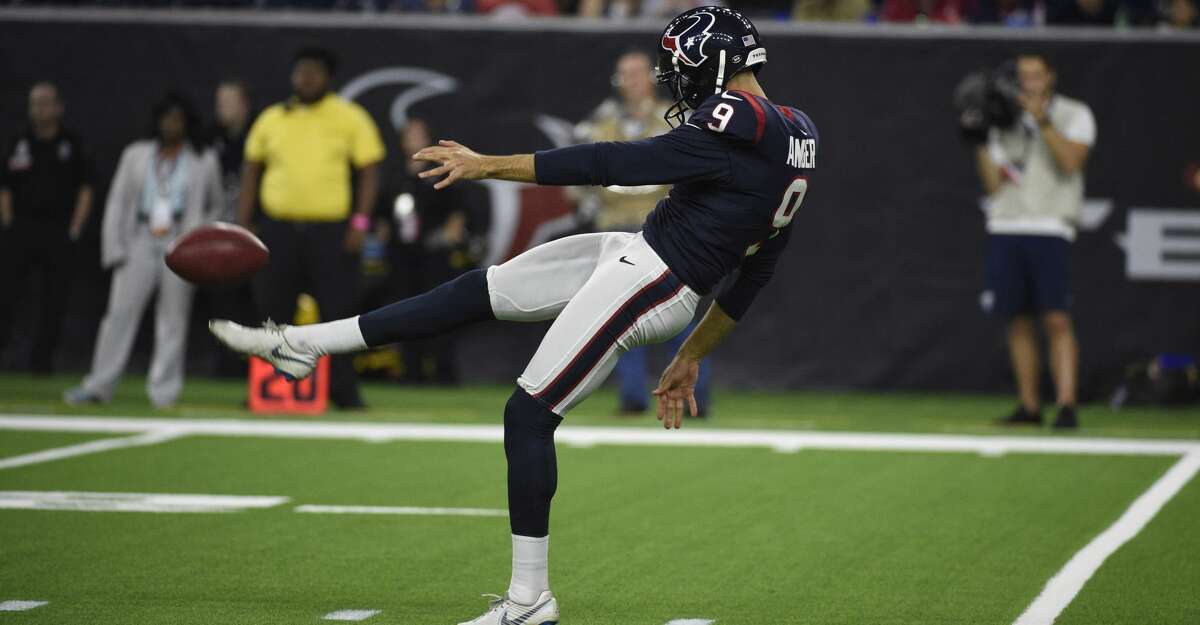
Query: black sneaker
[(1022, 417), (1066, 419)]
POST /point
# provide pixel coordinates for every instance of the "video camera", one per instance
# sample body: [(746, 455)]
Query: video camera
[(987, 99)]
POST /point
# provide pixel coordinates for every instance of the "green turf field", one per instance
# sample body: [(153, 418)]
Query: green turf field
[(642, 535)]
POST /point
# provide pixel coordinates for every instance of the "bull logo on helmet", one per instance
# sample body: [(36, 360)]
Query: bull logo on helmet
[(685, 40)]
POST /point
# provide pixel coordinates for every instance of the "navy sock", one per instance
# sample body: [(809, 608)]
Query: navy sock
[(458, 302), (532, 467)]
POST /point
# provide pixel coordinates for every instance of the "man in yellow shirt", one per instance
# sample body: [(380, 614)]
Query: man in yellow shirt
[(306, 151)]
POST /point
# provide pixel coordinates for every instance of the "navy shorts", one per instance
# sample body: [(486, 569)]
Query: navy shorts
[(1027, 274)]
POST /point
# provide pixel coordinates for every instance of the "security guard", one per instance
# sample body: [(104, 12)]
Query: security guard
[(305, 150), (45, 198)]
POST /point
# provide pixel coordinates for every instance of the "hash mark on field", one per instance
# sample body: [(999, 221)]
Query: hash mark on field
[(406, 510), (350, 615), (690, 621), (20, 606)]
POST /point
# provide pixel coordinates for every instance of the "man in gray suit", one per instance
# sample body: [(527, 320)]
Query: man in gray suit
[(164, 186)]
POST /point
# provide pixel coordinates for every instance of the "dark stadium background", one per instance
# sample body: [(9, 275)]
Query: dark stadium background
[(880, 288)]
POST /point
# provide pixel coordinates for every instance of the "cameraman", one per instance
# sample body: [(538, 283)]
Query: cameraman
[(1033, 174)]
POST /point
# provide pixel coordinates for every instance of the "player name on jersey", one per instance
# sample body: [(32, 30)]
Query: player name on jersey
[(802, 153)]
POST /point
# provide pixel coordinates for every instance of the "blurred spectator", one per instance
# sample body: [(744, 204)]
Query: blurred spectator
[(1191, 177), (306, 151), (945, 11), (45, 199), (1183, 14), (639, 8), (831, 10), (231, 106), (1081, 12), (433, 236), (516, 8), (634, 113), (1033, 174), (228, 136), (164, 186), (1011, 13), (426, 6)]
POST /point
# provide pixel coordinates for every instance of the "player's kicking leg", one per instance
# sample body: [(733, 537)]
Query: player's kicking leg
[(534, 286)]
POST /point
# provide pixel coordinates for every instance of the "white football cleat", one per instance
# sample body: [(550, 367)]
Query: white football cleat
[(504, 611), (268, 343)]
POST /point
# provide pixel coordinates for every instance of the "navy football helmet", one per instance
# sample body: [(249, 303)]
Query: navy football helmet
[(700, 50)]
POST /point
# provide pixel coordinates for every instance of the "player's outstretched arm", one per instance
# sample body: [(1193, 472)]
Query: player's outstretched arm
[(456, 161), (678, 383)]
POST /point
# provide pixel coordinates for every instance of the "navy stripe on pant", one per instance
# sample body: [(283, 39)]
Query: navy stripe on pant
[(663, 288)]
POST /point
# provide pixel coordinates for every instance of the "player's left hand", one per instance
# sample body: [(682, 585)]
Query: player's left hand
[(454, 160), (677, 387)]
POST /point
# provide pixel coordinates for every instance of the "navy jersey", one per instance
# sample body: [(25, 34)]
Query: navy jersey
[(740, 168)]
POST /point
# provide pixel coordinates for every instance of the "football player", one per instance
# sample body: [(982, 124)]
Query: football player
[(739, 165)]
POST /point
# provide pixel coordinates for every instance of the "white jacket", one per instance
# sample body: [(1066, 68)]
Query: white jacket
[(205, 197)]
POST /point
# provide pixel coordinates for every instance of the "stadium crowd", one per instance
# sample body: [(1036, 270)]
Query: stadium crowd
[(1165, 14)]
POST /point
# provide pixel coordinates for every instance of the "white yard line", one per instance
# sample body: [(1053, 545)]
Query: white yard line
[(401, 510), (1066, 584), (1057, 594), (132, 502), (17, 605), (584, 436), (149, 437), (350, 615)]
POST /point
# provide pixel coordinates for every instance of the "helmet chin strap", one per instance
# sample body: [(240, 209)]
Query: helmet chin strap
[(720, 73)]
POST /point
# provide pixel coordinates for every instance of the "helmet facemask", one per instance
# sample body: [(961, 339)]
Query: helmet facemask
[(686, 92)]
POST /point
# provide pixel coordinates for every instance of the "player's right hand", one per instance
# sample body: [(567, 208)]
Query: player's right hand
[(677, 389), (454, 161)]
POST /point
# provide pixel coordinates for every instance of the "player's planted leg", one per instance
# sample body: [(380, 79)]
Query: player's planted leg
[(294, 350), (529, 427)]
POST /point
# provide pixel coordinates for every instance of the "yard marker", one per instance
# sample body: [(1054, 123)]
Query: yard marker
[(406, 510), (1066, 584), (20, 606), (91, 447), (131, 502), (350, 615)]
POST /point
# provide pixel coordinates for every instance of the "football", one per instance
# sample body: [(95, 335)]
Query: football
[(218, 253)]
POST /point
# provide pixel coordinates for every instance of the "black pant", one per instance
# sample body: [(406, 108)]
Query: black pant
[(310, 257), (41, 249), (431, 360)]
